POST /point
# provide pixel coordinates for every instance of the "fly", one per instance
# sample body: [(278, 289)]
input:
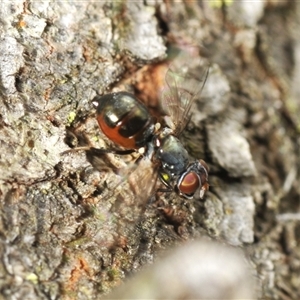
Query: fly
[(128, 123)]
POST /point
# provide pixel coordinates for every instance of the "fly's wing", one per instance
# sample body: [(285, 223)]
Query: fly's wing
[(185, 80), (139, 174), (142, 181), (124, 198)]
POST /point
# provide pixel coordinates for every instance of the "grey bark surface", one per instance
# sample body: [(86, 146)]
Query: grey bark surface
[(70, 231)]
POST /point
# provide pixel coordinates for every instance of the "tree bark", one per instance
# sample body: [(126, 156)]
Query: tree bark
[(72, 231)]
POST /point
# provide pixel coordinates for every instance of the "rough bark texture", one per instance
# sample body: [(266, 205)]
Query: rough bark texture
[(67, 229)]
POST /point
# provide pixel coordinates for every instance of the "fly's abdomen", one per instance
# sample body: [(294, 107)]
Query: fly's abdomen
[(124, 120)]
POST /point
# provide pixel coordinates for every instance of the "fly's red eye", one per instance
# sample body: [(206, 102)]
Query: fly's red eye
[(189, 183)]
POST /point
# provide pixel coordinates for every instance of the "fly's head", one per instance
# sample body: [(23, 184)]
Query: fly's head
[(194, 179), (176, 172)]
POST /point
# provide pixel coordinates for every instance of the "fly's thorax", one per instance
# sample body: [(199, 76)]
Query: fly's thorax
[(173, 156)]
